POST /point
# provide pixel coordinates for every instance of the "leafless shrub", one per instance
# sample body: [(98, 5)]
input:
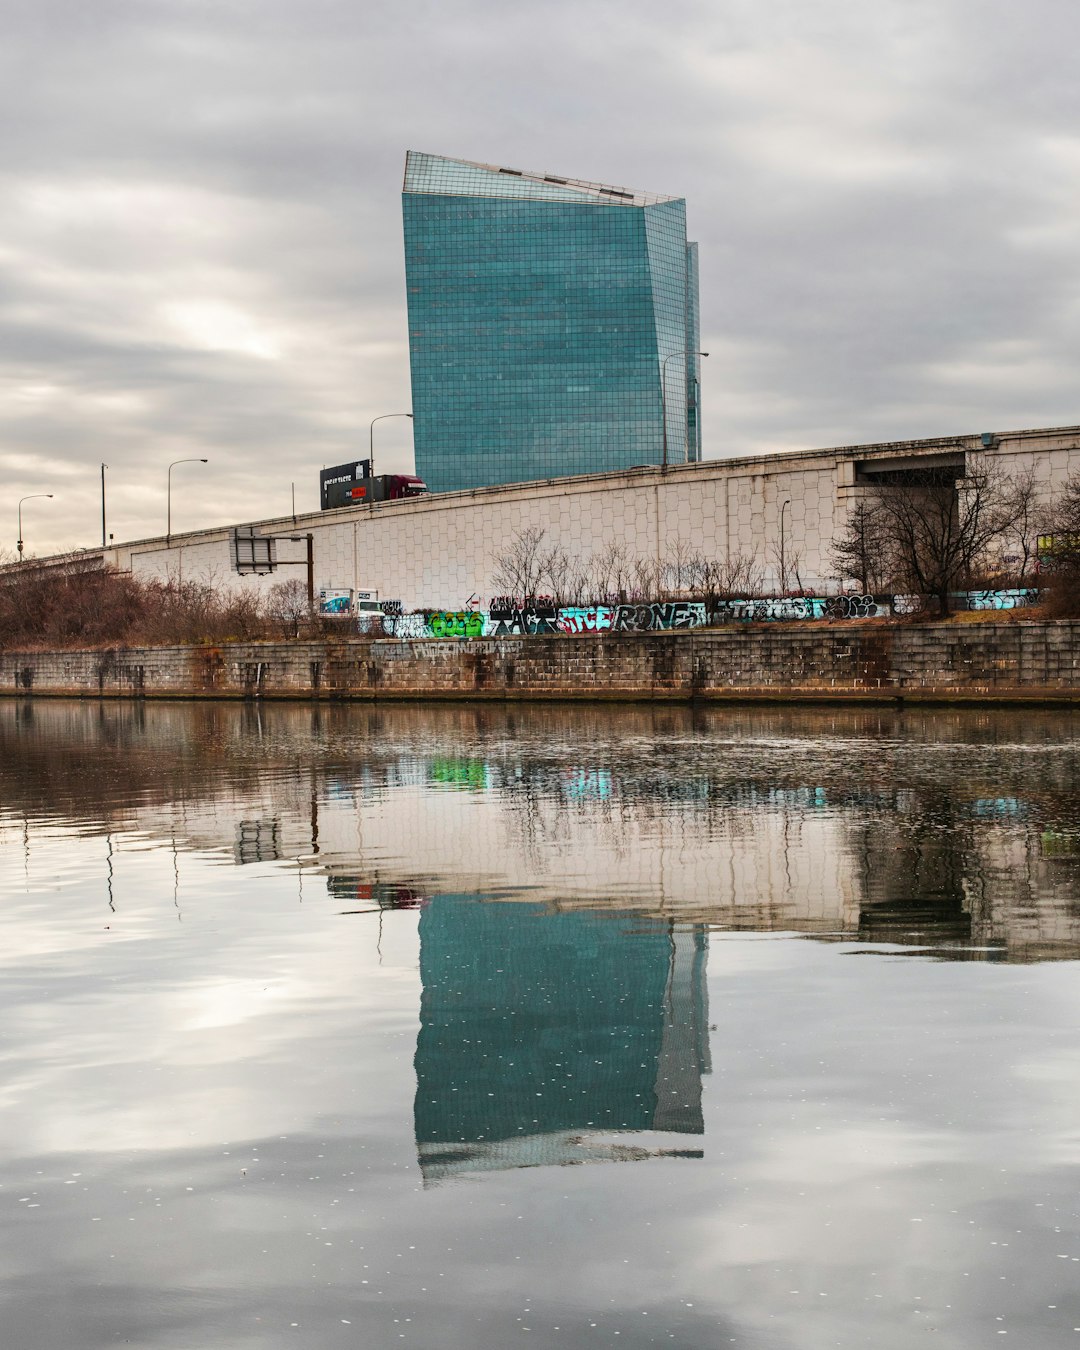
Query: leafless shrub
[(610, 574), (679, 567), (559, 576), (521, 566), (288, 606), (648, 579), (736, 577), (71, 602)]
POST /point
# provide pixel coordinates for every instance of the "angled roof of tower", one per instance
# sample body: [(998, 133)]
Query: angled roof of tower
[(434, 174)]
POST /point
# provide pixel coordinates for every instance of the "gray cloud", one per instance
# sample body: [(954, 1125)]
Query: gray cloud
[(201, 250)]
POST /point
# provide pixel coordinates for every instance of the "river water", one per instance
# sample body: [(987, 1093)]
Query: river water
[(556, 1026)]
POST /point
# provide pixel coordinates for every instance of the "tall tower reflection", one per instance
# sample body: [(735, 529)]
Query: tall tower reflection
[(543, 1034)]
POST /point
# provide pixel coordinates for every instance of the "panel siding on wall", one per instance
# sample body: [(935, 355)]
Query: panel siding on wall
[(439, 551)]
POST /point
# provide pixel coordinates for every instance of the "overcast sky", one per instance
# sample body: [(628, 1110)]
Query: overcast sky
[(200, 223)]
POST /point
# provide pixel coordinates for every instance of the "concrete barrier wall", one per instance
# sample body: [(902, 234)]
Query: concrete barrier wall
[(986, 661), (438, 551)]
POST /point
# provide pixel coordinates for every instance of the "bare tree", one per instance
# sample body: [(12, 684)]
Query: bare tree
[(861, 552), (1020, 538), (647, 576), (938, 531), (1059, 552), (717, 579), (287, 605), (679, 566), (609, 575), (786, 562), (579, 583), (520, 567), (559, 575)]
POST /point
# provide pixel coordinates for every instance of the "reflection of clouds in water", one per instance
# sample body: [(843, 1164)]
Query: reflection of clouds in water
[(886, 1149), (875, 1130), (248, 979)]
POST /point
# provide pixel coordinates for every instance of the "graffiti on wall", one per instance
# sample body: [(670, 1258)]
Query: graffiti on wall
[(643, 618), (512, 615), (590, 619), (996, 599), (460, 623), (658, 616), (789, 607), (516, 616), (406, 626)]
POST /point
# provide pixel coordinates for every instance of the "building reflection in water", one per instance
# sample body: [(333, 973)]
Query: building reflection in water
[(951, 830), (555, 1038)]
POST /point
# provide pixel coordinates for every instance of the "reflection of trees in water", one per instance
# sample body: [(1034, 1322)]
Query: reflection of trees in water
[(956, 865), (959, 824), (916, 867)]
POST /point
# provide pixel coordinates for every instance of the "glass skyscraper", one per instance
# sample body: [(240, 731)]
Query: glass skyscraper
[(552, 323)]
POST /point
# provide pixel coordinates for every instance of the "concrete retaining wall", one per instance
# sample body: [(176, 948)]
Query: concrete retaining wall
[(439, 550), (944, 662)]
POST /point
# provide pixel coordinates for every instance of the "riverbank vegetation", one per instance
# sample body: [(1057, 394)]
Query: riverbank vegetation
[(74, 602)]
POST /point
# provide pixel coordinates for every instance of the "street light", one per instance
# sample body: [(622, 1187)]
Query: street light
[(30, 498), (663, 392), (168, 495), (783, 565), (371, 439)]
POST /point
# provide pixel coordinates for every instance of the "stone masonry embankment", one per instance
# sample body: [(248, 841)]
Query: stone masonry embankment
[(951, 662)]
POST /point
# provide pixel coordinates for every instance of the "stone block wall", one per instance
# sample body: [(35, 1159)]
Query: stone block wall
[(994, 661)]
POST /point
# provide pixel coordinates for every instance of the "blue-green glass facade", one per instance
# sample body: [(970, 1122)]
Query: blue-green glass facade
[(552, 324), (539, 1026)]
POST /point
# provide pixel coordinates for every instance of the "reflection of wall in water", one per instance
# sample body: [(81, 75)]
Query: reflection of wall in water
[(919, 825), (541, 1035), (749, 857), (1024, 896)]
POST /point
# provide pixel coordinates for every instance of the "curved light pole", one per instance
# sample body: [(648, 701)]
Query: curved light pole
[(663, 392), (783, 565), (30, 498), (168, 517), (371, 439)]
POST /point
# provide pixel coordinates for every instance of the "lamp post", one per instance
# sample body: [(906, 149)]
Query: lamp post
[(103, 468), (371, 438), (663, 393), (168, 494), (783, 565), (30, 498)]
